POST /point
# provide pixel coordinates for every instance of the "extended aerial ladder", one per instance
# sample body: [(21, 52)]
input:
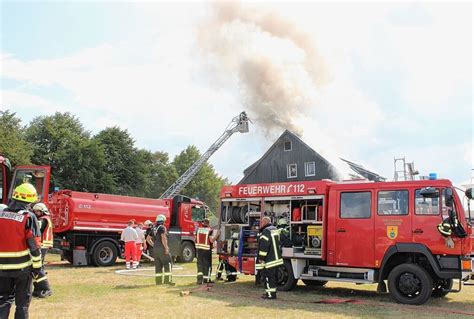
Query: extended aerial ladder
[(239, 123)]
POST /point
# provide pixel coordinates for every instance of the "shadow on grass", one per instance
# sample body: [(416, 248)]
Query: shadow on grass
[(356, 302)]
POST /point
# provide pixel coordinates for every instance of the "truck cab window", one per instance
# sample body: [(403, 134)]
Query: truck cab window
[(444, 208), (34, 177), (198, 213), (426, 206), (355, 205), (392, 203)]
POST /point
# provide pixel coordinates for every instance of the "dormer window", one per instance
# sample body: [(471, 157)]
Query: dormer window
[(287, 146)]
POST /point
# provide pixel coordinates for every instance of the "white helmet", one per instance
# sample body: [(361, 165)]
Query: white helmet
[(41, 207), (2, 207)]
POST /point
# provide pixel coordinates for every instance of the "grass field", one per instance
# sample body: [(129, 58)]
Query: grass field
[(91, 292)]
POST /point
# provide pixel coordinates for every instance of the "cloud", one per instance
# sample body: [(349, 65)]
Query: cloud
[(14, 100), (154, 83)]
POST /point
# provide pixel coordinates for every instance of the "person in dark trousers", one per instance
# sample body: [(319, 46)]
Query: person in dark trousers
[(42, 289), (20, 255), (161, 252), (269, 256), (205, 238)]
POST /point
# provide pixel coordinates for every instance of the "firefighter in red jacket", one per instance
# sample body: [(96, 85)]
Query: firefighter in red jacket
[(205, 238), (20, 255), (269, 256), (42, 289)]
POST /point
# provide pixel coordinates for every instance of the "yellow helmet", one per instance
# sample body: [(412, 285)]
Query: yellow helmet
[(25, 193)]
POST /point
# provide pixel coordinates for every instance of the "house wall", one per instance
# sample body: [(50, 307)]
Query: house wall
[(273, 168)]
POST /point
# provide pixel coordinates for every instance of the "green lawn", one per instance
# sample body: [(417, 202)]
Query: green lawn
[(91, 292)]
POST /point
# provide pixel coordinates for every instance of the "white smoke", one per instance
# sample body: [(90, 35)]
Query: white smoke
[(276, 66)]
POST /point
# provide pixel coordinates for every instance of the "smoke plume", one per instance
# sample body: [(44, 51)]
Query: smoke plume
[(276, 65)]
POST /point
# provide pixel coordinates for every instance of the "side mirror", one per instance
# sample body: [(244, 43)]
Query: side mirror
[(469, 193), (429, 192), (449, 198)]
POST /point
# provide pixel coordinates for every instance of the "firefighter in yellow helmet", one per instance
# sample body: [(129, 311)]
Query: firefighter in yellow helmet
[(42, 288), (20, 256)]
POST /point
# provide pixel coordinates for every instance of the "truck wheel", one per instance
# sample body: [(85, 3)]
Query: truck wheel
[(410, 284), (440, 286), (67, 255), (229, 270), (286, 279), (314, 283), (187, 253), (104, 254)]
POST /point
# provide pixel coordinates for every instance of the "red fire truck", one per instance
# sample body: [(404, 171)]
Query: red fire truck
[(358, 231), (87, 226)]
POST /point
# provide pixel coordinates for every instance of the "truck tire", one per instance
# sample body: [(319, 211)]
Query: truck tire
[(67, 255), (229, 270), (104, 254), (410, 284), (440, 286), (286, 279), (186, 253), (314, 283)]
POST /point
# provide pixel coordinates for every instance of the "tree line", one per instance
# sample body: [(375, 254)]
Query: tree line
[(107, 162)]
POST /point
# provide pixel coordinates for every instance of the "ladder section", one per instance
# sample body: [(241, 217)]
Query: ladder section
[(239, 123)]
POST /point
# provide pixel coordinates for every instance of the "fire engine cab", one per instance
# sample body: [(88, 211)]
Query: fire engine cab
[(412, 234)]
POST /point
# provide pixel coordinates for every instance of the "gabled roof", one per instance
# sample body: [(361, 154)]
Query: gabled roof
[(249, 170), (344, 169)]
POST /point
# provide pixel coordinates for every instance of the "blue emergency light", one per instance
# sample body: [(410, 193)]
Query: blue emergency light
[(433, 176)]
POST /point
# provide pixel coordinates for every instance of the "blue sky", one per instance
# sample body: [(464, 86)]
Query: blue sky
[(398, 77)]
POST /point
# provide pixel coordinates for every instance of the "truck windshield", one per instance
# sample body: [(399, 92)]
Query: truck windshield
[(198, 213), (34, 177)]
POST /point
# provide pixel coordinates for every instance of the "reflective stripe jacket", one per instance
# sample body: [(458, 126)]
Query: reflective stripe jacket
[(18, 248), (46, 227), (269, 253), (203, 238)]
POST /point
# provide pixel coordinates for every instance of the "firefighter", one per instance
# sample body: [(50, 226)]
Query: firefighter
[(20, 255), (161, 252), (205, 238), (284, 229), (269, 256), (46, 228)]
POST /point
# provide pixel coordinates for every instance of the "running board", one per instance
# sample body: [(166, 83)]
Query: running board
[(357, 281)]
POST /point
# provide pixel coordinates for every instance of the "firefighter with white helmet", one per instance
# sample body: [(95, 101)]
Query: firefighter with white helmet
[(161, 252), (20, 255), (45, 225)]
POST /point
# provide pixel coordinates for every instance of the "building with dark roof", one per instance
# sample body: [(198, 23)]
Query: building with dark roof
[(291, 159)]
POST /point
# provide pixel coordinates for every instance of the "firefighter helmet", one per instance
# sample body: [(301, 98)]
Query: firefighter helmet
[(147, 222), (161, 218), (2, 207), (41, 207), (25, 193), (445, 229), (282, 222)]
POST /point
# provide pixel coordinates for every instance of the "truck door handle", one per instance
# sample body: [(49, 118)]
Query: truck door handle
[(341, 230), (418, 231)]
